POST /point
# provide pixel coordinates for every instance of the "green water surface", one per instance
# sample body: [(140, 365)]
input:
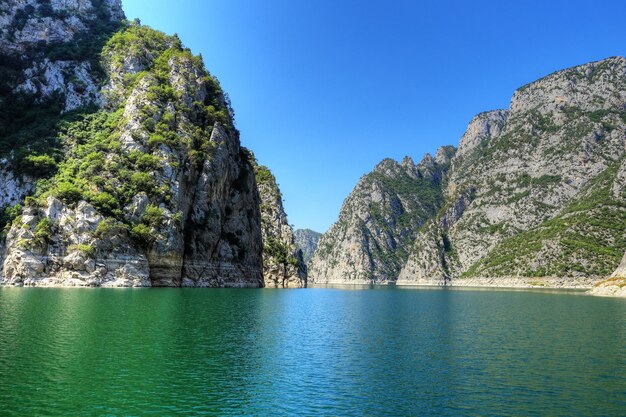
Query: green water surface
[(118, 352)]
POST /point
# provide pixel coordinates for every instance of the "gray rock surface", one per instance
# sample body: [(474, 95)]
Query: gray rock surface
[(15, 187), (31, 28), (379, 220), (307, 240), (27, 24)]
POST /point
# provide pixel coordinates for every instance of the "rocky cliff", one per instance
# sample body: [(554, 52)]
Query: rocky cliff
[(307, 240), (533, 193), (379, 220), (283, 265), (120, 162)]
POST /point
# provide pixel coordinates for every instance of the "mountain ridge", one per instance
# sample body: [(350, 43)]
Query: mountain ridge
[(515, 169)]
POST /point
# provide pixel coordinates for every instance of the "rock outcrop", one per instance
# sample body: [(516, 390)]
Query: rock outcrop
[(283, 265), (534, 193), (620, 272), (307, 240), (120, 160), (379, 220), (615, 285)]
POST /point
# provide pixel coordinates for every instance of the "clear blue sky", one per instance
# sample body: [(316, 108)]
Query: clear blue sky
[(325, 89)]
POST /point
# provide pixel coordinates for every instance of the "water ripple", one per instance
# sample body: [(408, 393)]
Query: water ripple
[(85, 352)]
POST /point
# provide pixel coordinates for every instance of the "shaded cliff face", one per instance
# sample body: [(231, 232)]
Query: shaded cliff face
[(379, 220), (142, 181), (307, 240), (283, 265)]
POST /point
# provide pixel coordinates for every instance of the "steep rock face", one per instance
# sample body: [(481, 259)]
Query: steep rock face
[(283, 265), (534, 192), (481, 128), (47, 50), (15, 187), (146, 183), (428, 262), (307, 240), (379, 220)]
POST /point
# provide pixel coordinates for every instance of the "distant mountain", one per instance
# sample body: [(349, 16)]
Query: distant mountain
[(306, 240), (379, 221), (534, 194)]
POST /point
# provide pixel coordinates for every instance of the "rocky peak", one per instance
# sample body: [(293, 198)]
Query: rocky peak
[(520, 195), (426, 166), (409, 166), (152, 189), (444, 155), (533, 191), (482, 127), (377, 220), (407, 163), (388, 167)]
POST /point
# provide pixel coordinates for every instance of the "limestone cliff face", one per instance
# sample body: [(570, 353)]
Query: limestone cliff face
[(538, 205), (141, 178), (307, 240), (535, 191), (379, 220), (283, 265), (615, 285), (536, 196), (428, 262)]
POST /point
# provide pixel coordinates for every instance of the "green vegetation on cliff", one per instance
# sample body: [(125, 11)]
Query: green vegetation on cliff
[(79, 155), (29, 121), (588, 232)]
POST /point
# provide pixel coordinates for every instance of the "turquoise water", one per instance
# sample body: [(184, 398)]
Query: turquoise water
[(83, 352)]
